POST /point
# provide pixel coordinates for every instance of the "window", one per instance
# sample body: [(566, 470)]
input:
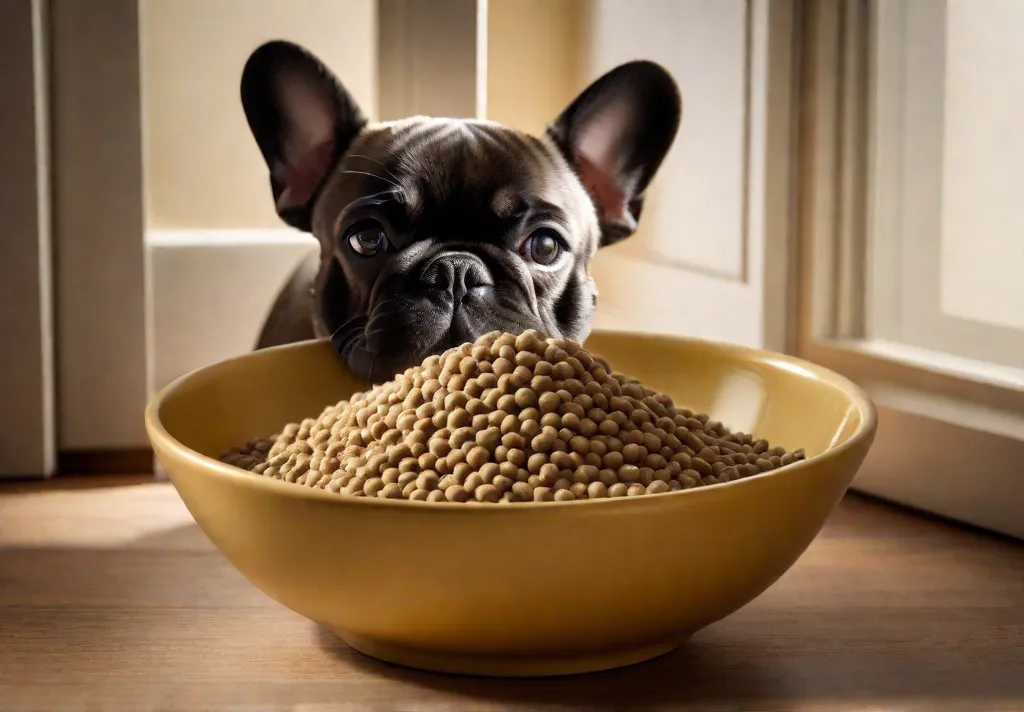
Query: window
[(911, 242)]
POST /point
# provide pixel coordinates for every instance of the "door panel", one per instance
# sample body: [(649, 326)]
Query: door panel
[(27, 431), (712, 253), (98, 223)]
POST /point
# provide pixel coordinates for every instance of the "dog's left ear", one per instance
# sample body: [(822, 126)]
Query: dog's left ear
[(616, 134)]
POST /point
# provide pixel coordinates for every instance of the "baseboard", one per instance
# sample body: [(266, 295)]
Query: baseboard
[(136, 461)]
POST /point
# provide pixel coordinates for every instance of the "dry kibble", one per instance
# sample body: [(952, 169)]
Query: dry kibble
[(629, 473), (543, 494), (456, 493), (503, 483), (487, 493), (508, 418), (391, 491), (658, 487), (548, 474), (373, 486), (478, 457), (618, 489), (549, 402)]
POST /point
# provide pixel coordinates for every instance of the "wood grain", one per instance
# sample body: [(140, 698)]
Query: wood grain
[(111, 598)]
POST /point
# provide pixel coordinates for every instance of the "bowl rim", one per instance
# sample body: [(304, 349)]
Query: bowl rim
[(160, 438)]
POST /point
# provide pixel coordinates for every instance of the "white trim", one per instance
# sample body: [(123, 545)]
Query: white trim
[(953, 411), (226, 238), (481, 59), (886, 130), (148, 292), (27, 372), (938, 362), (40, 54)]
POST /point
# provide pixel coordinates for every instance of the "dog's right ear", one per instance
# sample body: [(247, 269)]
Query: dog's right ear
[(303, 120)]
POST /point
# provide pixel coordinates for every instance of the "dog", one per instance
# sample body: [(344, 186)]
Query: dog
[(434, 232)]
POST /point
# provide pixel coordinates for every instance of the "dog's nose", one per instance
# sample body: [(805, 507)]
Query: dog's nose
[(458, 273)]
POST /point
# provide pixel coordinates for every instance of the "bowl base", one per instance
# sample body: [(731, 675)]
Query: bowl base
[(483, 666)]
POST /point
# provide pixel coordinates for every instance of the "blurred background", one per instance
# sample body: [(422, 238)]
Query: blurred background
[(844, 187)]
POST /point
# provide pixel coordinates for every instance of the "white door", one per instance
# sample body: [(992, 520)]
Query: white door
[(914, 233), (712, 253)]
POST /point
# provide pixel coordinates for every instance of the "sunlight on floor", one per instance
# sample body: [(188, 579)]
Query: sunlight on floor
[(97, 517)]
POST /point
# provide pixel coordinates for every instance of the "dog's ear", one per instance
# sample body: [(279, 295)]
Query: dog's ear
[(616, 134), (302, 119)]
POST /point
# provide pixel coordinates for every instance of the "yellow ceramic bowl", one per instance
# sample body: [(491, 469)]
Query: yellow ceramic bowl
[(525, 589)]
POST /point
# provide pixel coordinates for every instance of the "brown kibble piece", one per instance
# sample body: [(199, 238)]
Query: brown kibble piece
[(508, 418), (658, 487), (487, 493), (373, 486), (549, 402), (456, 493), (629, 473), (391, 491), (618, 489)]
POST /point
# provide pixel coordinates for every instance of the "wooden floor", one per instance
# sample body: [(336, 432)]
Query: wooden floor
[(110, 598)]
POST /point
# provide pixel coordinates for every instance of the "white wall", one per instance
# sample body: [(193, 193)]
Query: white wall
[(203, 169), (536, 54), (217, 249)]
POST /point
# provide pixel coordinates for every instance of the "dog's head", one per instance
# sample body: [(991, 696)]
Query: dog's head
[(433, 232)]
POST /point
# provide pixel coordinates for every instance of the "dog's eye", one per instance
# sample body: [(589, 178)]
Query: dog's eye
[(542, 247), (367, 240)]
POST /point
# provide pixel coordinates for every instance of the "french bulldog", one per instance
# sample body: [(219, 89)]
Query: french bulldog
[(435, 231)]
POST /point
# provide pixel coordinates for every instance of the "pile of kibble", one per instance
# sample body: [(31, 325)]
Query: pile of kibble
[(508, 419)]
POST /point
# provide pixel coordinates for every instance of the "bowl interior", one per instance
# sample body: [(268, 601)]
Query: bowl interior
[(782, 399)]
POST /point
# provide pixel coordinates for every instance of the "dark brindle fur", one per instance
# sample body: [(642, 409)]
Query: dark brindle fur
[(435, 231)]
